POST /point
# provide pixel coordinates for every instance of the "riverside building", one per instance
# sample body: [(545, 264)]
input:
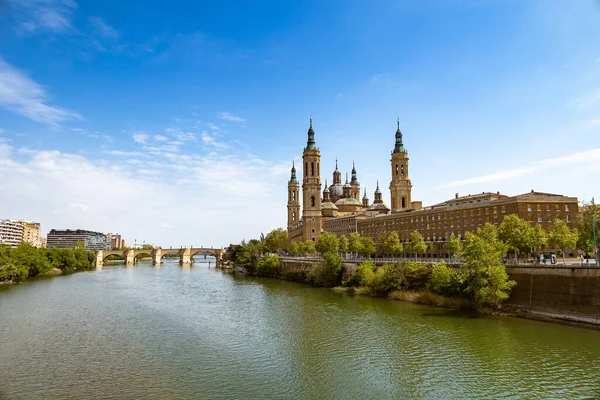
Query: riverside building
[(11, 233), (67, 239), (339, 210)]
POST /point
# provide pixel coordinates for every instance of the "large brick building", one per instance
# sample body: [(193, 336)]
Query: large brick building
[(339, 211)]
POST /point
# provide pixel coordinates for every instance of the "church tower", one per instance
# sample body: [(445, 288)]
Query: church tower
[(400, 186), (293, 199), (311, 189), (355, 184)]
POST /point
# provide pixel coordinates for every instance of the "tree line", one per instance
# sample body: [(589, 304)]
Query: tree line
[(517, 234), (26, 261)]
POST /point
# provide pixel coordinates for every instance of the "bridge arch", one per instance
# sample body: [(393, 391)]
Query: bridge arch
[(121, 254)]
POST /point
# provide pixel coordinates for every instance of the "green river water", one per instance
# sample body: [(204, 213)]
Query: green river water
[(195, 333)]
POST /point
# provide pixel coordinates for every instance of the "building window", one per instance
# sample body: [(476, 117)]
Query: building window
[(529, 207), (312, 201), (556, 208), (540, 220), (503, 209), (312, 168), (294, 216), (538, 207), (566, 207), (495, 210), (403, 202), (549, 219)]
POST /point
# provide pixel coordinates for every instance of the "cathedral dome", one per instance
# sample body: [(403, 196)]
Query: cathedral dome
[(328, 206), (336, 190)]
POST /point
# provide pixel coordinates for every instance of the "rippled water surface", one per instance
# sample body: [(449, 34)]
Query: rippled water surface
[(195, 333)]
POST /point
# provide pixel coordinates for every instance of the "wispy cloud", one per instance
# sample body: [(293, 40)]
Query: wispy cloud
[(42, 15), (210, 140), (230, 117), (140, 137), (22, 95), (160, 138), (102, 28), (589, 157)]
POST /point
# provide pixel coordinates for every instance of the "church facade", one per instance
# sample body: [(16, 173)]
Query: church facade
[(338, 202)]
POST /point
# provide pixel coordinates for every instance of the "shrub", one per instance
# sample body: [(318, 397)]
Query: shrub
[(364, 272), (10, 271), (328, 273), (269, 266), (416, 275), (447, 281)]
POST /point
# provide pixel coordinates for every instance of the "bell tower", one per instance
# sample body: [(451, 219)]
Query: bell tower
[(293, 199), (311, 189), (400, 186)]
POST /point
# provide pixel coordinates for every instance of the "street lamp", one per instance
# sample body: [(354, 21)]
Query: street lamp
[(595, 245)]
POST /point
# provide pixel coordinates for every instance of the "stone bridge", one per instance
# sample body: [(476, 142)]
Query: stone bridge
[(185, 254)]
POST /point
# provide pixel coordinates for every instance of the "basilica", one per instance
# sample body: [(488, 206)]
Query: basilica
[(339, 210), (340, 201)]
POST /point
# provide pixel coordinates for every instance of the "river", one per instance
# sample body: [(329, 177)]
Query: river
[(198, 333)]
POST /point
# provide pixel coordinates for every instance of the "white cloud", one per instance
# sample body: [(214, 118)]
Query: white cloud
[(160, 138), (26, 97), (140, 137), (225, 193), (585, 158), (102, 28), (209, 139), (185, 136), (40, 15), (230, 117)]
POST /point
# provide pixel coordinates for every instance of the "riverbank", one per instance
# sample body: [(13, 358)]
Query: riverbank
[(25, 261), (557, 294)]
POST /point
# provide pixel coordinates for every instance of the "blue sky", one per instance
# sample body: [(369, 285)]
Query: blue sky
[(177, 124)]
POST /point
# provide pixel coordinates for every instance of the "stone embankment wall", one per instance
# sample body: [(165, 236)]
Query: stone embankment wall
[(558, 292), (555, 293)]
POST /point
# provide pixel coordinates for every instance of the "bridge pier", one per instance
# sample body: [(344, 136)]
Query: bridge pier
[(156, 257), (185, 256), (130, 257), (99, 260)]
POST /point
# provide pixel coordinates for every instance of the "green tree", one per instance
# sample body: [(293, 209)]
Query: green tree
[(392, 244), (588, 212), (25, 255), (416, 244), (293, 248), (515, 233), (562, 237), (343, 244), (328, 273), (488, 282), (355, 244), (537, 238), (453, 245), (269, 266), (306, 247), (327, 242), (367, 246), (276, 240)]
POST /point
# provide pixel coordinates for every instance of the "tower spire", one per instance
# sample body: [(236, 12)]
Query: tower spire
[(311, 144), (354, 180), (399, 147), (293, 178)]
